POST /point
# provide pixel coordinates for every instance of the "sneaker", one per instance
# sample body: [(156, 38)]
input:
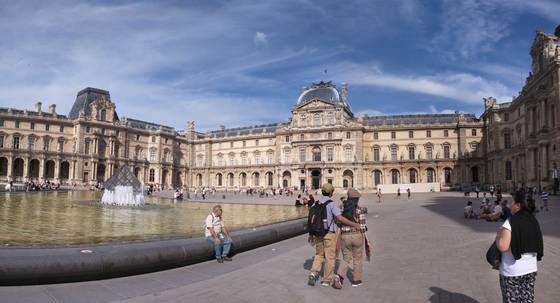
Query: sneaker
[(227, 259), (357, 283), (338, 281), (325, 283), (220, 260), (311, 279)]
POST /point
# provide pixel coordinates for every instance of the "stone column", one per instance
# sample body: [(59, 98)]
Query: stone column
[(94, 171), (10, 168), (57, 170), (42, 170), (26, 169)]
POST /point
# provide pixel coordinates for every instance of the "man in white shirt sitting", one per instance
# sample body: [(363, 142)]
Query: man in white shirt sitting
[(216, 233)]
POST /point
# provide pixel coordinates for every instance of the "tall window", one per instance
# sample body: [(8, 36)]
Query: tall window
[(269, 157), (257, 159), (269, 179), (375, 135), (287, 139), (316, 154), (411, 134), (303, 120), (348, 153), (393, 135), (219, 177), (301, 137), (473, 132), (243, 159), (317, 119), (60, 146), (429, 151), (411, 152), (330, 118), (153, 154), (446, 133), (430, 174), (412, 175), (428, 134), (447, 174), (31, 141), (1, 141), (231, 161), (86, 147), (348, 135), (257, 142), (446, 149), (507, 140), (286, 156), (330, 154), (152, 175), (220, 161), (302, 155), (393, 153), (103, 115), (376, 154), (509, 171), (329, 136), (46, 143), (153, 139), (244, 143), (395, 176), (376, 177), (47, 127), (32, 125), (17, 124), (61, 129)]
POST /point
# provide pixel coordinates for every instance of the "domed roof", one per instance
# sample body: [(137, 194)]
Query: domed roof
[(324, 91)]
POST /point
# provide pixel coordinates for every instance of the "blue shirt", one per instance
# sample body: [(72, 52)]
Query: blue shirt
[(507, 212), (332, 213)]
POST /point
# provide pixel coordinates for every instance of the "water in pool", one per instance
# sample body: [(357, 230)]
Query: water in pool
[(72, 218)]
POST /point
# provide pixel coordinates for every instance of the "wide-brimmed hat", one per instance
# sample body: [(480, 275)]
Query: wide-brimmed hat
[(352, 193)]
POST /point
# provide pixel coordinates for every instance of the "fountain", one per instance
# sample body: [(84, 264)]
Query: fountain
[(123, 189)]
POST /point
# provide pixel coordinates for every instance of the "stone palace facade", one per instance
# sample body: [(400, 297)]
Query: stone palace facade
[(322, 142), (511, 144)]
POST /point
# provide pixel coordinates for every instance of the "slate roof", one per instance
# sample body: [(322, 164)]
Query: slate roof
[(147, 125), (31, 113), (244, 131), (416, 119), (84, 99)]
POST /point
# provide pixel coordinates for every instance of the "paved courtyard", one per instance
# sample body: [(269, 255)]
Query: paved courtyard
[(424, 251)]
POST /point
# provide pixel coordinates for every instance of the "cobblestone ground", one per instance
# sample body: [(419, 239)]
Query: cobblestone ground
[(424, 251)]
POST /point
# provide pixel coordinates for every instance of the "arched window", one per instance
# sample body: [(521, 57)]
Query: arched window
[(447, 174), (243, 177), (430, 175), (316, 154), (219, 179), (103, 116), (376, 177), (269, 179), (412, 176), (395, 176), (230, 179)]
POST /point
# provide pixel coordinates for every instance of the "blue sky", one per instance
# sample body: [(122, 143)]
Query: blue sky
[(241, 63)]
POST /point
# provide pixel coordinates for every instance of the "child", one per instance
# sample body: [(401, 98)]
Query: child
[(469, 211)]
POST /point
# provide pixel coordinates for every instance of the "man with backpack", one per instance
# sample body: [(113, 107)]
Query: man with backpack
[(322, 224)]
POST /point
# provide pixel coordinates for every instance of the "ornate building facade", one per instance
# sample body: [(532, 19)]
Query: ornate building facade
[(322, 142), (522, 137)]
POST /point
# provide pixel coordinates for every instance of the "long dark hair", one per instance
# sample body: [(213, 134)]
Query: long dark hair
[(527, 204), (349, 210)]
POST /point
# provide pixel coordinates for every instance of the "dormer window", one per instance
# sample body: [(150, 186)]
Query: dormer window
[(103, 116)]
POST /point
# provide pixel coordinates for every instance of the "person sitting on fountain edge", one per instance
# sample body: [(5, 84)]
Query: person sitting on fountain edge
[(217, 234)]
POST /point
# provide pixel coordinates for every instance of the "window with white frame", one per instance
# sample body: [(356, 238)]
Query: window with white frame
[(302, 155), (330, 153), (269, 158), (348, 153)]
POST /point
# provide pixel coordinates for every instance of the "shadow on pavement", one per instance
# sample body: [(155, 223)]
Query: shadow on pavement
[(442, 295), (452, 208)]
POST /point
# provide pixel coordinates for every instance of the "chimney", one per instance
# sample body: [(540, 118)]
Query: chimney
[(38, 107), (52, 109)]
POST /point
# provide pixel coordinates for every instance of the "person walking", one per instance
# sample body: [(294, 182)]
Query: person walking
[(379, 195), (544, 200), (325, 246), (398, 192), (352, 240), (217, 234), (521, 243), (408, 192)]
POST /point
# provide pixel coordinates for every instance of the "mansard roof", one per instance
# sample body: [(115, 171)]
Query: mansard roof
[(147, 125), (85, 98), (31, 113), (418, 119)]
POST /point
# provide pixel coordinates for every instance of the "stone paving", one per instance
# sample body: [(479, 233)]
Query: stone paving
[(424, 251)]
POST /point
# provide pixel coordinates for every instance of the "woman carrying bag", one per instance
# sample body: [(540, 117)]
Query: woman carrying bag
[(521, 243), (352, 240)]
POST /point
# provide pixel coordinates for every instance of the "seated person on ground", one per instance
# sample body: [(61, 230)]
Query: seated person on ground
[(469, 211), (496, 213)]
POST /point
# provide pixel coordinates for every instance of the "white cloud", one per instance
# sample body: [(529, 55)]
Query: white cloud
[(260, 38)]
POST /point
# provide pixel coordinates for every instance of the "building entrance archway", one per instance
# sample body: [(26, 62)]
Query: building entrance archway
[(315, 179)]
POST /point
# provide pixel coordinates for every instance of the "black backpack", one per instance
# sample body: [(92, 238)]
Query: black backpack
[(317, 219)]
